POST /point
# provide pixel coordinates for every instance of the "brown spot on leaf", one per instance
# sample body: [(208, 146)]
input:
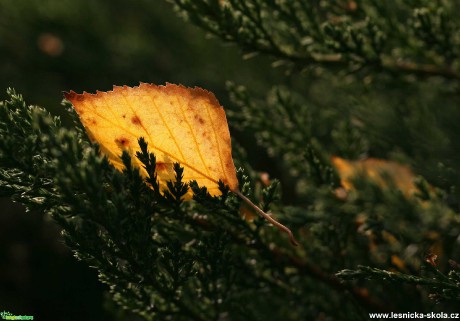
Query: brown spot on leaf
[(161, 166), (92, 121), (124, 115), (199, 119), (122, 142), (136, 120)]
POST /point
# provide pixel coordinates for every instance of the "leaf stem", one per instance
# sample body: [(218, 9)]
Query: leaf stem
[(280, 226)]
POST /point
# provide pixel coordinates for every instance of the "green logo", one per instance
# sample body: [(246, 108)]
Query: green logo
[(9, 316)]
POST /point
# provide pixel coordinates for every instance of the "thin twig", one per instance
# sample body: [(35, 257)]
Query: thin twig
[(280, 226)]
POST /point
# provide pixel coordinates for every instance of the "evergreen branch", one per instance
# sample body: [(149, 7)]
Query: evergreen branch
[(306, 268), (445, 286), (387, 64), (337, 46), (429, 70)]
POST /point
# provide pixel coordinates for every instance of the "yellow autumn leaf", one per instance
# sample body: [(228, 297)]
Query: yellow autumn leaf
[(181, 125), (379, 171)]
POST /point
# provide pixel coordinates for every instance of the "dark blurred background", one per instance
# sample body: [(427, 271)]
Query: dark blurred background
[(51, 46)]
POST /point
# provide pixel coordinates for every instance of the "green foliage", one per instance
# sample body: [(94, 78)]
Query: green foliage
[(152, 250), (367, 79), (368, 35), (441, 287)]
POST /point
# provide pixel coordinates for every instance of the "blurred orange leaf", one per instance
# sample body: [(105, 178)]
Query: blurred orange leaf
[(381, 172)]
